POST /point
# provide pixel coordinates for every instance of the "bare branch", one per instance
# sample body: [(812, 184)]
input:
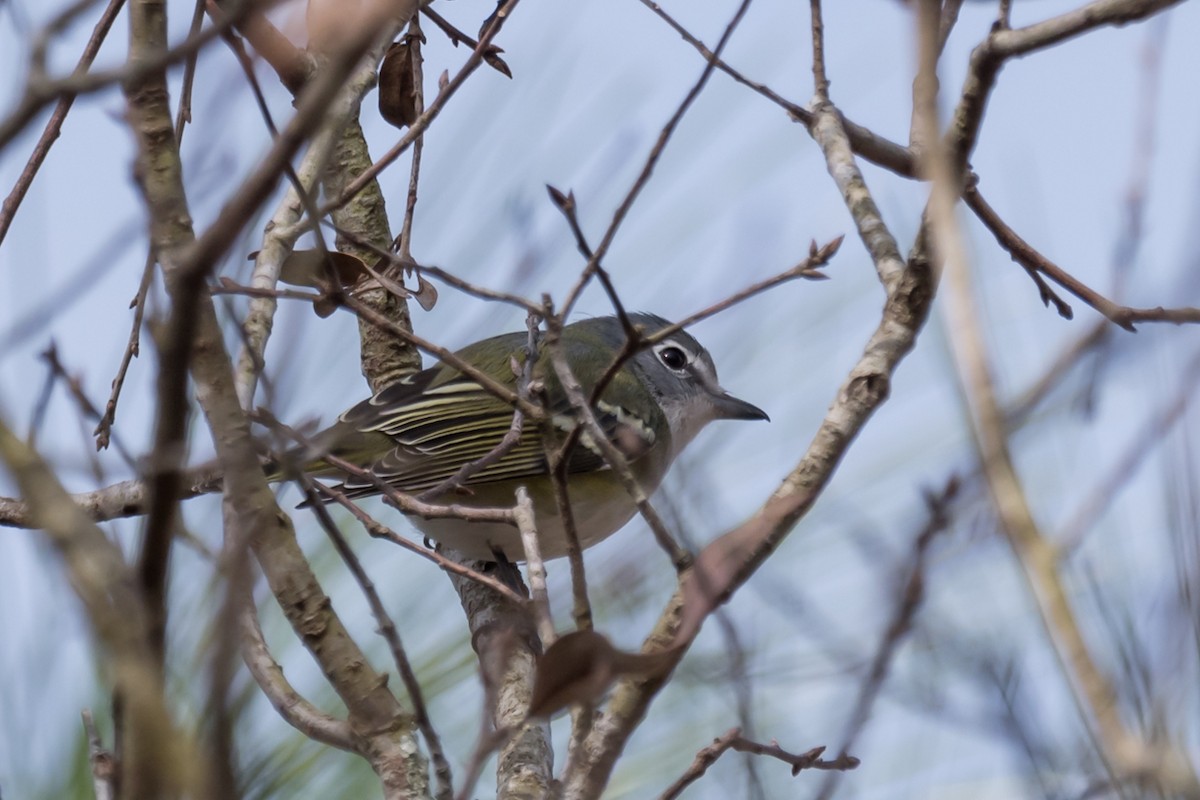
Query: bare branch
[(1141, 444), (380, 531), (1123, 755), (656, 151), (1034, 262), (504, 635), (423, 122), (291, 705), (54, 125), (153, 754), (104, 768), (536, 567), (387, 629), (1014, 43), (904, 611), (827, 130), (865, 143), (586, 417), (40, 90), (733, 740), (293, 65)]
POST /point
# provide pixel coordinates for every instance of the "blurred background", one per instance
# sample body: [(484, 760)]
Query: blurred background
[(1090, 150)]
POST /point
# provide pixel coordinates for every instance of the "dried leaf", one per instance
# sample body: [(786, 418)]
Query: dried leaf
[(397, 90), (426, 294), (581, 666), (312, 268), (317, 270), (324, 305), (575, 669)]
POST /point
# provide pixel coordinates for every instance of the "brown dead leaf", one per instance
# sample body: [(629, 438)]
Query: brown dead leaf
[(575, 669), (312, 268), (397, 90), (426, 294), (581, 666), (316, 270)]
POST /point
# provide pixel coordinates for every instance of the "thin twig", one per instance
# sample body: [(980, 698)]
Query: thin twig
[(581, 607), (491, 53), (75, 387), (733, 740), (54, 125), (808, 269), (387, 629), (449, 358), (652, 158), (104, 767), (414, 37), (513, 435), (527, 524), (381, 531), (479, 291), (1093, 693), (103, 430), (183, 114), (869, 145), (427, 117), (475, 290), (1141, 444), (566, 204), (904, 611), (1034, 262), (586, 417), (820, 78), (41, 90), (291, 705)]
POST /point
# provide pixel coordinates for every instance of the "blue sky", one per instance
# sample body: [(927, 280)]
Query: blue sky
[(738, 196)]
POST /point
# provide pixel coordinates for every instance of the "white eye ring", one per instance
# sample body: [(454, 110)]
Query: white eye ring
[(674, 357)]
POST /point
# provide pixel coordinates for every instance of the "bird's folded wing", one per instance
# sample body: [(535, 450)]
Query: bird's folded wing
[(438, 429)]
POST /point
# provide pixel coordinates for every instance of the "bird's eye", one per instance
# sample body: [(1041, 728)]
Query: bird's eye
[(673, 357)]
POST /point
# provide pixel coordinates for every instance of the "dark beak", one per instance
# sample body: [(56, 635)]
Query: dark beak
[(730, 407)]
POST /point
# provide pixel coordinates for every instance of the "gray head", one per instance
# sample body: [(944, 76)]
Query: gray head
[(681, 375)]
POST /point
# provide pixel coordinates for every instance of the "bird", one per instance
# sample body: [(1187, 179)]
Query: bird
[(418, 432)]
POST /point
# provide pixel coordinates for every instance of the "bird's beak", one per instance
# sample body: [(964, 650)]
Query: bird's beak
[(730, 407)]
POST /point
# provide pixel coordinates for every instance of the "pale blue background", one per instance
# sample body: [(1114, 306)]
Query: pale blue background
[(738, 196)]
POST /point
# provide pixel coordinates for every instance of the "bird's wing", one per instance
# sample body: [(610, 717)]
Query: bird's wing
[(439, 421)]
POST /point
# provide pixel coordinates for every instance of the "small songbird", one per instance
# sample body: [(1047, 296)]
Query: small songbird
[(418, 432)]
